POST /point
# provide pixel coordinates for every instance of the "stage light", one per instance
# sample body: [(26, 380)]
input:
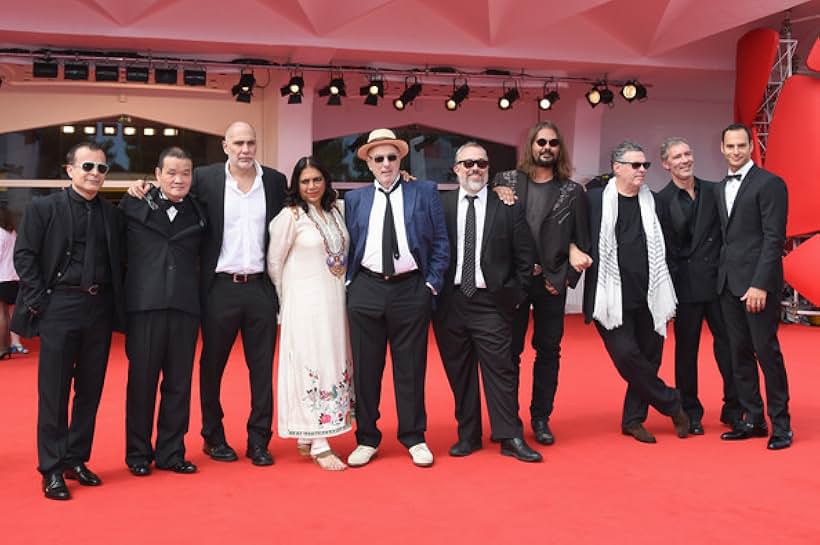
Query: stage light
[(510, 95), (109, 130), (129, 131), (75, 71), (335, 90), (599, 94), (633, 90), (194, 77), (44, 68), (166, 76), (106, 72), (243, 90), (89, 130), (409, 95), (459, 95), (549, 99), (68, 129), (294, 89), (149, 131), (137, 74), (372, 91), (170, 131)]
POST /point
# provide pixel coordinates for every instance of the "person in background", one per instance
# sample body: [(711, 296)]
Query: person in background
[(8, 280)]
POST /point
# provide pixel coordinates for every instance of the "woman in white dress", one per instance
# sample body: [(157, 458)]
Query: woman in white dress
[(307, 261)]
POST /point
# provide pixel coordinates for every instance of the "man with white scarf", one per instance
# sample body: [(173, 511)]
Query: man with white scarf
[(628, 291)]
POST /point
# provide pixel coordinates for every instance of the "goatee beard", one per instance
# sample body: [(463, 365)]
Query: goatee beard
[(545, 162)]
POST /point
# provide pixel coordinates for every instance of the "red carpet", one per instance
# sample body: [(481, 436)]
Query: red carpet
[(595, 486)]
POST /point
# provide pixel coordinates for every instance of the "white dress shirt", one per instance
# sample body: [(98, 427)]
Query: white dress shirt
[(733, 186), (372, 258), (243, 236), (461, 221), (7, 272)]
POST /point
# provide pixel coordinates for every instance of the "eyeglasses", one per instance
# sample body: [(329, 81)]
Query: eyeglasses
[(636, 164), (380, 158), (470, 163), (88, 166), (553, 142)]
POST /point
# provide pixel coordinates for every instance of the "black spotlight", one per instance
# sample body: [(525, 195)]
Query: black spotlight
[(599, 94), (294, 89), (194, 77), (243, 90), (138, 74), (373, 91), (409, 95), (75, 71), (633, 90), (335, 90), (44, 69), (459, 95), (106, 72), (510, 95), (549, 99), (167, 76)]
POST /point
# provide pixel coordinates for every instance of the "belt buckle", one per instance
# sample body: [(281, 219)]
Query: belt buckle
[(93, 289), (386, 277), (239, 278)]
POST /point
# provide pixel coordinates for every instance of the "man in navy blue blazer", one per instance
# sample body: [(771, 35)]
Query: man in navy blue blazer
[(399, 253)]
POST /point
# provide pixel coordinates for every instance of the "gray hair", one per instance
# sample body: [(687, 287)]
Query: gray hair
[(669, 142), (470, 144), (623, 148)]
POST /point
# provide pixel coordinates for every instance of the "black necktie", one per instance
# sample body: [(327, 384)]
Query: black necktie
[(468, 286), (90, 248), (390, 242), (732, 177)]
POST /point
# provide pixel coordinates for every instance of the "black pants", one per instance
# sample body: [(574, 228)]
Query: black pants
[(688, 325), (75, 339), (470, 331), (398, 312), (159, 341), (636, 350), (548, 330), (753, 338), (249, 309)]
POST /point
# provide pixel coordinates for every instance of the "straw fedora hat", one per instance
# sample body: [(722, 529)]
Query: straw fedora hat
[(379, 137)]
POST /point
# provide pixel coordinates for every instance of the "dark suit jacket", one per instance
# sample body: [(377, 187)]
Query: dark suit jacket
[(163, 264), (694, 250), (423, 221), (595, 201), (565, 220), (41, 256), (754, 235), (209, 189), (507, 252)]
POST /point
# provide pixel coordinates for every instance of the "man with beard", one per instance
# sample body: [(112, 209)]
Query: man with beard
[(556, 213)]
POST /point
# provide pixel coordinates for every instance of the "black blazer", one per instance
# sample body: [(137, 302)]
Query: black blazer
[(754, 235), (565, 220), (507, 252), (41, 256), (163, 265), (209, 189), (694, 250)]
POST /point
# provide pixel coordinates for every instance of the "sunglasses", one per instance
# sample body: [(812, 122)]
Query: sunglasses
[(470, 163), (88, 166), (553, 142), (636, 164), (380, 158)]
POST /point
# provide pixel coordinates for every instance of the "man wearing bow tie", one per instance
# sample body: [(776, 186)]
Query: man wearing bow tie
[(162, 301), (753, 206)]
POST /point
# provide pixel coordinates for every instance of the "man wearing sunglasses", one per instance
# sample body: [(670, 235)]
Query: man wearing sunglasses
[(491, 257), (694, 249), (556, 213), (398, 255), (628, 290), (68, 257)]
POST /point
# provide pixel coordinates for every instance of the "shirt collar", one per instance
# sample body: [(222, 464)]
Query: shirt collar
[(744, 170), (482, 195), (377, 185), (229, 177)]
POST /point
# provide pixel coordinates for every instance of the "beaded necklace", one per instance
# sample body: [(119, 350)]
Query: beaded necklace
[(333, 240)]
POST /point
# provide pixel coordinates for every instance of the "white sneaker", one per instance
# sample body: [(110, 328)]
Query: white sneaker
[(421, 455), (361, 456)]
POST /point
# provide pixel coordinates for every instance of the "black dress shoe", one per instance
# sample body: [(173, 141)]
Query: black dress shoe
[(54, 487), (82, 475), (259, 455), (141, 469), (639, 433), (542, 431), (681, 421), (780, 441), (184, 467), (464, 447), (221, 452), (517, 448), (744, 430), (695, 428)]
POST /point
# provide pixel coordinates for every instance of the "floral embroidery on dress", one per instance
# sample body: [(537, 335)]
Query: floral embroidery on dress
[(332, 406)]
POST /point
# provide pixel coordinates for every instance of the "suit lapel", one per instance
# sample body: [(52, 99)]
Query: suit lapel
[(744, 187), (267, 187), (705, 202), (218, 200), (450, 204), (721, 203), (408, 192), (489, 217)]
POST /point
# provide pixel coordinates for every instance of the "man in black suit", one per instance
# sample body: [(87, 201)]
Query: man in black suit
[(556, 213), (162, 302), (753, 204), (68, 257), (491, 258), (693, 224)]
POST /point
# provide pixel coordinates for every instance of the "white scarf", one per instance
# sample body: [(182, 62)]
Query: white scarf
[(660, 294)]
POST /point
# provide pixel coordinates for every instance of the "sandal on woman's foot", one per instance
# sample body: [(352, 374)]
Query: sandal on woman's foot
[(19, 349), (329, 461), (304, 449)]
